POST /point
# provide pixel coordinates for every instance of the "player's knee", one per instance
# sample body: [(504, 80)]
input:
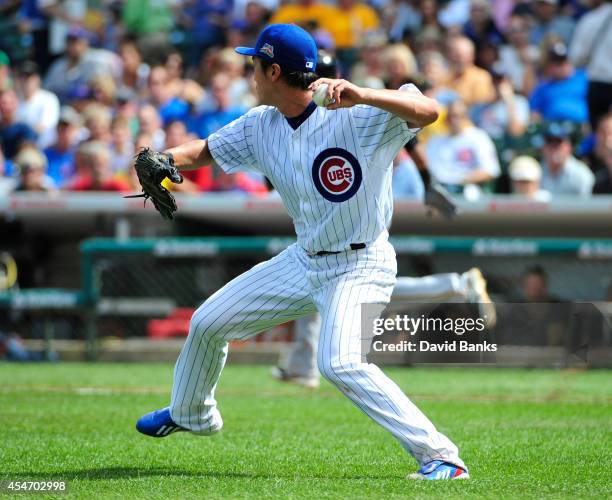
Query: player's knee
[(332, 369), (204, 324)]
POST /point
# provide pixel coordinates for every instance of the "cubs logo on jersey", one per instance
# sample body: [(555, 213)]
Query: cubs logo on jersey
[(336, 174)]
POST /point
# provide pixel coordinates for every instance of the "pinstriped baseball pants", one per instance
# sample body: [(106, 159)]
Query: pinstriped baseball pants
[(288, 286), (301, 360)]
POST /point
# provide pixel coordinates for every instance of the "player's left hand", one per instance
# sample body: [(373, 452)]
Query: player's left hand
[(152, 167), (343, 93)]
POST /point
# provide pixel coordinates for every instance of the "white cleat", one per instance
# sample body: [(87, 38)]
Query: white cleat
[(282, 375), (476, 293)]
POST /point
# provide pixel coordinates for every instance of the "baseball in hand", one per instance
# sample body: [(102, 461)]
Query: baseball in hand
[(320, 96)]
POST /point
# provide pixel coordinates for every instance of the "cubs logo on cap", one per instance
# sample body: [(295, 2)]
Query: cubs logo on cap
[(287, 45), (336, 174)]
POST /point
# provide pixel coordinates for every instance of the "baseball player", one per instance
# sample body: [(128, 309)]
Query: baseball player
[(299, 364), (332, 168)]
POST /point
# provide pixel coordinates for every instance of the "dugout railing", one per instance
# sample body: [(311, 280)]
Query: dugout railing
[(127, 283), (134, 280)]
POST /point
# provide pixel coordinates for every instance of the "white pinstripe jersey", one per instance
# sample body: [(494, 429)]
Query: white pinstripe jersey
[(333, 172)]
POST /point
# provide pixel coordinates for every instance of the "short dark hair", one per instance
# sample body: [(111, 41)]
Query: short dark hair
[(298, 79), (536, 270)]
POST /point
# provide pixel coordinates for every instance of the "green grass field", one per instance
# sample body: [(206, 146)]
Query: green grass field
[(523, 434)]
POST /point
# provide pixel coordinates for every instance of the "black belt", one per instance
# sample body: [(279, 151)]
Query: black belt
[(354, 246)]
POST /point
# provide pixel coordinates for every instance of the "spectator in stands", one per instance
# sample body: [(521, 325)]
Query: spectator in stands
[(134, 72), (60, 155), (111, 31), (406, 181), (562, 173), (353, 19), (454, 14), (184, 88), (143, 140), (465, 156), (98, 119), (534, 285), (480, 28), (127, 108), (5, 72), (104, 90), (252, 19), (240, 87), (79, 97), (240, 183), (591, 48), (150, 22), (38, 108), (435, 70), (63, 16), (603, 180), (400, 66), (507, 115), (13, 133), (96, 174), (602, 142), (32, 167), (473, 84), (7, 182), (169, 106), (121, 146), (307, 12), (546, 318), (430, 27), (487, 55), (205, 23), (74, 71), (400, 19), (196, 180), (562, 94), (149, 122), (367, 72), (550, 22), (603, 154), (519, 57), (223, 111), (526, 174), (34, 27)]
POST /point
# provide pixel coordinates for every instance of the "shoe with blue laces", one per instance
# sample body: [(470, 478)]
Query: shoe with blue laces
[(439, 469), (158, 424)]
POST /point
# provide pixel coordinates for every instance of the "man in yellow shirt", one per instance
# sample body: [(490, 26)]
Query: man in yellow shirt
[(306, 13), (351, 21), (346, 23), (473, 84)]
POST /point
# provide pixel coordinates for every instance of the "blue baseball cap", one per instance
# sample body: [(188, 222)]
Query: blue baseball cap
[(287, 45)]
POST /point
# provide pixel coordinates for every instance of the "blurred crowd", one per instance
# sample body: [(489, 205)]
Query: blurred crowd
[(525, 87)]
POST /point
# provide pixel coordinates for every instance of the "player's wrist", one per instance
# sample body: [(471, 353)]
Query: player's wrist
[(366, 96)]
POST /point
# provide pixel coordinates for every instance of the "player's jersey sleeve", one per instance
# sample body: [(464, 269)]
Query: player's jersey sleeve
[(232, 147), (382, 134)]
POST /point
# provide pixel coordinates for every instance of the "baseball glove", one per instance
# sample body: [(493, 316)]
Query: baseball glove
[(152, 167), (438, 198)]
